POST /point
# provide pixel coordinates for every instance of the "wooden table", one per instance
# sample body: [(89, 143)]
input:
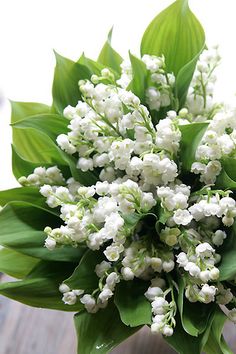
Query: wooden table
[(26, 330)]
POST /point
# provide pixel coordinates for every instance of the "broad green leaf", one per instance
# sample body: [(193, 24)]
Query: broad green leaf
[(20, 110), (227, 178), (183, 343), (134, 308), (49, 128), (99, 333), (139, 80), (27, 143), (184, 79), (25, 194), (21, 166), (21, 229), (65, 90), (93, 66), (177, 34), (194, 316), (50, 124), (41, 289), (16, 264), (41, 146), (223, 181), (109, 57), (228, 257), (84, 276), (229, 165), (216, 343), (191, 135)]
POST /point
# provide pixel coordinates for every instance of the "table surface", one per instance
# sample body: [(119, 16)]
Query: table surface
[(26, 330)]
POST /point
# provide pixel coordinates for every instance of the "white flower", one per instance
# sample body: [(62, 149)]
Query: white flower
[(153, 292), (218, 237), (182, 259), (105, 295), (102, 268), (112, 279), (182, 217), (69, 298), (50, 243), (89, 303), (113, 253), (85, 164), (167, 331), (204, 250), (207, 293), (127, 273), (232, 315), (63, 288)]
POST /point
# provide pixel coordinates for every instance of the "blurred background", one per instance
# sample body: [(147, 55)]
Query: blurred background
[(30, 30)]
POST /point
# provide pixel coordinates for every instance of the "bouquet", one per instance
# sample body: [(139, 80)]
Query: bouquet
[(126, 210)]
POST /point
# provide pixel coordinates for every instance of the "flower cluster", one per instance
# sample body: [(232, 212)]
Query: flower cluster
[(139, 178)]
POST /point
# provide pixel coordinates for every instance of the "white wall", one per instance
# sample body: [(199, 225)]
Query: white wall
[(29, 30)]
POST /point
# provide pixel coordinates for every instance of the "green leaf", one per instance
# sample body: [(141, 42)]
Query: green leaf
[(84, 276), (139, 81), (223, 181), (21, 229), (177, 34), (194, 316), (183, 343), (228, 257), (93, 66), (16, 264), (21, 110), (50, 124), (109, 57), (65, 89), (41, 289), (30, 144), (101, 332), (25, 194), (134, 308), (40, 145), (184, 79), (49, 127), (191, 135), (216, 343), (227, 178)]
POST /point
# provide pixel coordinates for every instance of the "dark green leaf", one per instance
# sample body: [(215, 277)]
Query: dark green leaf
[(228, 257), (21, 229), (216, 343), (191, 135), (84, 276), (41, 288), (183, 343), (176, 33), (16, 264), (139, 81), (194, 316), (101, 332), (109, 57), (134, 308), (223, 181), (65, 88)]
